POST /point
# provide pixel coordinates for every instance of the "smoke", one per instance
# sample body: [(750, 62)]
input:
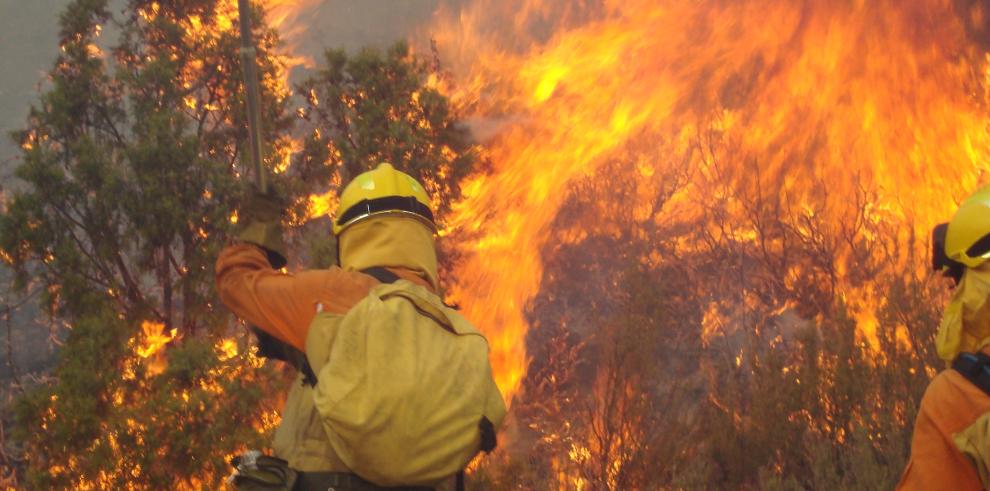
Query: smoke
[(28, 44)]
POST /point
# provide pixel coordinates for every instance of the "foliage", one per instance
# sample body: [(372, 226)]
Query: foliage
[(126, 415), (371, 107), (129, 178), (376, 107)]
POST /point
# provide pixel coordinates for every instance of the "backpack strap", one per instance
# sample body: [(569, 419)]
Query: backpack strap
[(488, 444), (271, 347), (976, 368), (381, 274), (488, 440)]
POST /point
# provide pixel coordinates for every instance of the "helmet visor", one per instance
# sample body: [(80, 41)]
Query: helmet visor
[(368, 207)]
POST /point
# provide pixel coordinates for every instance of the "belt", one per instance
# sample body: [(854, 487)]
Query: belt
[(343, 481)]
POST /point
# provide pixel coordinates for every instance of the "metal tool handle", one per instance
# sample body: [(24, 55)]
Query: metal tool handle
[(250, 65)]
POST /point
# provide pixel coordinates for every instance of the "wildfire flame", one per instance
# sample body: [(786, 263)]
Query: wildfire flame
[(284, 15), (879, 99), (148, 345), (808, 99)]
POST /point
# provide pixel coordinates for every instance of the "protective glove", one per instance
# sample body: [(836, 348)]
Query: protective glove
[(255, 471), (262, 217)]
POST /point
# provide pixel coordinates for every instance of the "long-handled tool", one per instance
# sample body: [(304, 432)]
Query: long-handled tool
[(268, 345), (249, 63)]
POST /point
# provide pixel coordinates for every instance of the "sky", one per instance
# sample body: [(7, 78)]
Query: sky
[(28, 44)]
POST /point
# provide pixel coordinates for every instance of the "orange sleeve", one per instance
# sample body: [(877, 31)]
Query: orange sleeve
[(950, 404), (283, 304)]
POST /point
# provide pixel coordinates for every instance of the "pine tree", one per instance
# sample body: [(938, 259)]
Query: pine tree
[(128, 181), (375, 107), (371, 107)]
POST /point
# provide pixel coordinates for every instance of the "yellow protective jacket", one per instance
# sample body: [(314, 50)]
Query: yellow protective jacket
[(285, 306)]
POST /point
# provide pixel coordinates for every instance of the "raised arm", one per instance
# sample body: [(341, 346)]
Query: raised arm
[(282, 305)]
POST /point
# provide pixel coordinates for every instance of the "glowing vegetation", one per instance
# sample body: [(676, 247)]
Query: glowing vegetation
[(766, 174), (127, 181), (857, 121)]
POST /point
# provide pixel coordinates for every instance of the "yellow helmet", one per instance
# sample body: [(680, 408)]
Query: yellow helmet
[(967, 239), (383, 191)]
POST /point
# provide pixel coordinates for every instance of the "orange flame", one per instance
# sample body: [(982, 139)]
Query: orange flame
[(283, 16), (833, 98), (149, 343)]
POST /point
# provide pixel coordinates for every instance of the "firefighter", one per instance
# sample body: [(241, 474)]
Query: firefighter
[(951, 443), (385, 228)]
